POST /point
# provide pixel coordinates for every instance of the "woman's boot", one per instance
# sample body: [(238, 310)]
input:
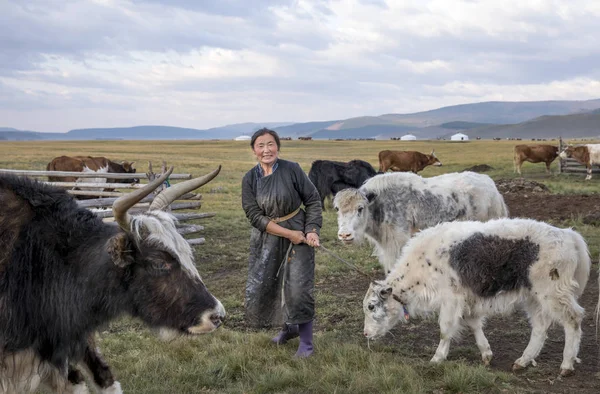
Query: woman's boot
[(289, 331), (305, 349)]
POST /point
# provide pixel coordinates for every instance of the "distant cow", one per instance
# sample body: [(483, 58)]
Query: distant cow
[(90, 164), (588, 155), (329, 177), (389, 208), (534, 154), (468, 271), (64, 273), (406, 160)]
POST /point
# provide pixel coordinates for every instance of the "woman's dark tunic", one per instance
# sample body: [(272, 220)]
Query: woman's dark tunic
[(273, 196)]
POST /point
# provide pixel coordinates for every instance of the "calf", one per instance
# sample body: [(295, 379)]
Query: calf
[(534, 154), (406, 160), (389, 208), (587, 155), (467, 271), (329, 177)]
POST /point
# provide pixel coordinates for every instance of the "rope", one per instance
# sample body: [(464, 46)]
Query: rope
[(349, 264)]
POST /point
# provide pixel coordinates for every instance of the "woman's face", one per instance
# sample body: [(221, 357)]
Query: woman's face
[(265, 149)]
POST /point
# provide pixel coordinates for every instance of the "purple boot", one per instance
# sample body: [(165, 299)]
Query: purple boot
[(305, 349), (289, 331)]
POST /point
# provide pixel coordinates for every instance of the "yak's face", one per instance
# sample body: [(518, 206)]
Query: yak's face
[(352, 213), (382, 312), (163, 283)]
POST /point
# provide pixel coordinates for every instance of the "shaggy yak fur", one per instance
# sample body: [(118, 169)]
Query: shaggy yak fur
[(467, 271), (64, 273)]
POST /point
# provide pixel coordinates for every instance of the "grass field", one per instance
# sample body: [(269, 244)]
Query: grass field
[(238, 360)]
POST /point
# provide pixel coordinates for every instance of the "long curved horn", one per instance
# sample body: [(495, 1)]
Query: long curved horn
[(123, 203), (167, 196)]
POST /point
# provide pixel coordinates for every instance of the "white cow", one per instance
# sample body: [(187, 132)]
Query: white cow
[(466, 271), (389, 208)]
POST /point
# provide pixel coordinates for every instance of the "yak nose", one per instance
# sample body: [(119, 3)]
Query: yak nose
[(365, 334), (344, 236), (217, 319)]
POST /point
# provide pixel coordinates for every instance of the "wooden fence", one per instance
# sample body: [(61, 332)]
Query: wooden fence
[(571, 166), (102, 205)]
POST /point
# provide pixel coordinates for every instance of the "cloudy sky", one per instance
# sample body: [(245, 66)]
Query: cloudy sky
[(68, 64)]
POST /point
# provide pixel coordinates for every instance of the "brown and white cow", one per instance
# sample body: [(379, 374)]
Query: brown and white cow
[(406, 160), (588, 155), (90, 164), (64, 273), (534, 154)]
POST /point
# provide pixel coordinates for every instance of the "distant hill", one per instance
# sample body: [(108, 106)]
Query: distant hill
[(571, 126), (496, 112), (463, 125), (303, 129), (536, 119), (370, 131), (235, 130), (20, 135), (140, 133)]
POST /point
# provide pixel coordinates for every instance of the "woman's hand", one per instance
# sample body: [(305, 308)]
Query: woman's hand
[(297, 237), (313, 240)]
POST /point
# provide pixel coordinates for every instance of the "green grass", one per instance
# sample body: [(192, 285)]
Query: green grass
[(239, 360)]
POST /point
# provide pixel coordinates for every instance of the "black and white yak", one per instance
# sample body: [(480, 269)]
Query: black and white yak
[(64, 273), (467, 271)]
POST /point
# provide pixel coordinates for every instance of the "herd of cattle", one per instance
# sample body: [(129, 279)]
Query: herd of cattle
[(445, 243)]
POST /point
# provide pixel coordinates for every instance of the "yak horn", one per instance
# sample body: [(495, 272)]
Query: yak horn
[(123, 203), (167, 196)]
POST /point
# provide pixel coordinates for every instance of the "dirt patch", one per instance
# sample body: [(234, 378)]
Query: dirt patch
[(531, 199), (521, 186), (554, 207)]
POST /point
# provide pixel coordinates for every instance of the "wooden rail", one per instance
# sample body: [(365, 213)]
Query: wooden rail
[(101, 206), (108, 175)]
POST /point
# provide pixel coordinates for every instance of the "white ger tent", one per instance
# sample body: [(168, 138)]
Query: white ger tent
[(459, 137)]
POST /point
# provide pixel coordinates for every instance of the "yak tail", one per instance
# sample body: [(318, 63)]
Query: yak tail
[(584, 262)]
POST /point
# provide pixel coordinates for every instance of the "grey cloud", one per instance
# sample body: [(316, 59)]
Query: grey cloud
[(84, 32), (221, 7)]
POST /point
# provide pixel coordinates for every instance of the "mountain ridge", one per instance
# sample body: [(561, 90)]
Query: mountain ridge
[(491, 119)]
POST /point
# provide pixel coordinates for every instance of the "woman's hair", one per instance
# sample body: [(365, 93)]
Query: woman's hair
[(262, 132)]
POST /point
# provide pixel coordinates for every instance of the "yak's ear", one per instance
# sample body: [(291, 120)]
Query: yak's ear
[(121, 250), (370, 197), (385, 292)]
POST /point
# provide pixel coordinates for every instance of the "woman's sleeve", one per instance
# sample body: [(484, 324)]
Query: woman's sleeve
[(253, 212), (312, 201)]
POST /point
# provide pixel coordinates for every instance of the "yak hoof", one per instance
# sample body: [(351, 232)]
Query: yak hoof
[(566, 372), (487, 358), (518, 367)]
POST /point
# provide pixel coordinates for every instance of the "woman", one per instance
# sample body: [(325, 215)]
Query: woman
[(282, 259)]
